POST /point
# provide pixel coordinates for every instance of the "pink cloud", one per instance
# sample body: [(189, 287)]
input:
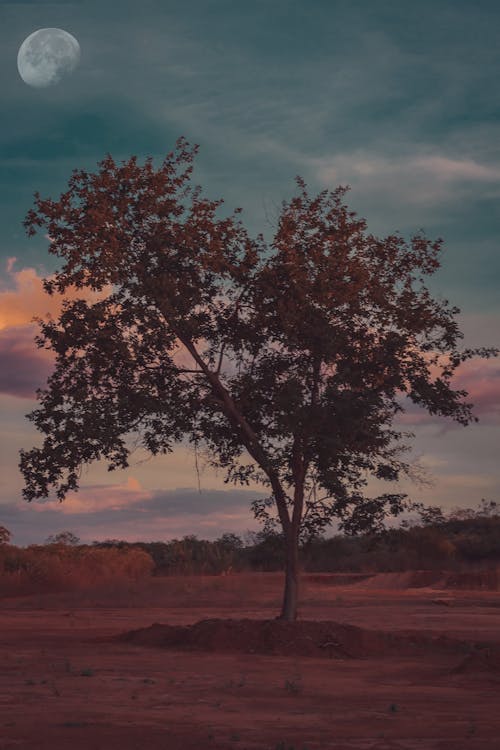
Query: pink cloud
[(99, 498), (24, 367), (481, 380), (23, 297), (127, 510)]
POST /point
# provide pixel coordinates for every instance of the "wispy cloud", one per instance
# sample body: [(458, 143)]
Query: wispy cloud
[(132, 500), (101, 498), (128, 511), (424, 180)]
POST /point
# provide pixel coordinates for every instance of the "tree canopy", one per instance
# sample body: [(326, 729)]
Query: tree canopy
[(5, 535), (63, 537), (288, 363)]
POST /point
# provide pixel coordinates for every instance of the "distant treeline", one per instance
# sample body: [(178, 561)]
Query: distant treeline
[(459, 539)]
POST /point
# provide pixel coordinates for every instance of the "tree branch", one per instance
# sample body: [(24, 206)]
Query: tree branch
[(249, 438)]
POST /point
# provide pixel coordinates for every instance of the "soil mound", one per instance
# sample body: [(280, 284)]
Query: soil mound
[(301, 638)]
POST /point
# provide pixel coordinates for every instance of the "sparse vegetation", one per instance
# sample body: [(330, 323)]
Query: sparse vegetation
[(63, 537), (4, 535), (462, 539), (294, 685), (59, 566)]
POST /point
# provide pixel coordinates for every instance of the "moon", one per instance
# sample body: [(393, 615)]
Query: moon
[(47, 56)]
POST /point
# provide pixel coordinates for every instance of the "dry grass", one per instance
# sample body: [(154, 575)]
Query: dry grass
[(59, 567)]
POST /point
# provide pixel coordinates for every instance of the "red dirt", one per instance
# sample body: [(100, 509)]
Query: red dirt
[(487, 580), (301, 638), (87, 670)]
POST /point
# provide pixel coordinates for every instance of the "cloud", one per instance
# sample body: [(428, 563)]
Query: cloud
[(129, 511), (481, 380), (131, 501), (22, 297), (24, 367), (422, 179), (447, 170), (101, 498)]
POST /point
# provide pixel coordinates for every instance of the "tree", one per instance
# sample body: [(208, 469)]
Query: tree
[(230, 542), (4, 535), (288, 364), (63, 537)]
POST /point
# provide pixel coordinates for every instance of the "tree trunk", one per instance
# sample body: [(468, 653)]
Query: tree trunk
[(291, 592)]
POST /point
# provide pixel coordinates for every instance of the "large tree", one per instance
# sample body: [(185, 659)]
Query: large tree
[(288, 364)]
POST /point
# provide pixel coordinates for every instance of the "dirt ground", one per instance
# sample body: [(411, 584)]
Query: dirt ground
[(395, 661)]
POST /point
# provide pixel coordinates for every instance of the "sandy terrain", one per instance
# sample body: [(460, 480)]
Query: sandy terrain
[(427, 679)]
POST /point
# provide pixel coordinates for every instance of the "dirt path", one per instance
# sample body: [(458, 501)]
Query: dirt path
[(63, 686)]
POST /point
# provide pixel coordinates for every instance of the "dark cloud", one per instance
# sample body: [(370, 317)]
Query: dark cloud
[(161, 516), (187, 501), (23, 367)]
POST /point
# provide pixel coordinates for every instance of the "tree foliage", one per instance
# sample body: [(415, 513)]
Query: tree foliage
[(63, 537), (5, 535), (288, 364)]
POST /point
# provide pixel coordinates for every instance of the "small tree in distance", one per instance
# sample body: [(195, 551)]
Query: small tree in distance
[(63, 537), (5, 535), (288, 363)]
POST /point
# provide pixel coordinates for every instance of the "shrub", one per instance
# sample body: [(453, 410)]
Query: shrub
[(5, 535), (61, 566)]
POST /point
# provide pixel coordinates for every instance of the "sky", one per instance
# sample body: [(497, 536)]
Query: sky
[(399, 100)]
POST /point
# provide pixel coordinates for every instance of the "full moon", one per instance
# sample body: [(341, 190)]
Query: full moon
[(47, 56)]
